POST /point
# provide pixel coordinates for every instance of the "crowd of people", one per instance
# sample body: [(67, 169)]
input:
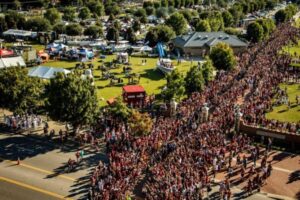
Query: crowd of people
[(181, 156), (23, 121)]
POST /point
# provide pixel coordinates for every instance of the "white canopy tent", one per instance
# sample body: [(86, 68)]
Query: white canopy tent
[(46, 72), (12, 62)]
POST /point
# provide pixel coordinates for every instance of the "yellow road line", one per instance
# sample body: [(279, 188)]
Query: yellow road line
[(33, 188), (45, 171), (39, 169)]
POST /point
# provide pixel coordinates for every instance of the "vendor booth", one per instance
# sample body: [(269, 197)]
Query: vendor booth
[(134, 95)]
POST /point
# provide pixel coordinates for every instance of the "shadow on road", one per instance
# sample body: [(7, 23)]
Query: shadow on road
[(17, 146), (294, 176)]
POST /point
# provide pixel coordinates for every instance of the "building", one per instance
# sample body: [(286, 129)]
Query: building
[(134, 95), (200, 43)]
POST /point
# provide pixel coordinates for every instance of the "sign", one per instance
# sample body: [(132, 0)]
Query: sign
[(269, 134), (131, 96)]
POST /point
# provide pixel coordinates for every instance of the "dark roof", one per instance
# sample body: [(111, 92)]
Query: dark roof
[(133, 88), (200, 39)]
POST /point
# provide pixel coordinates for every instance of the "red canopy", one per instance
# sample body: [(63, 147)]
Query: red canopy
[(5, 52), (133, 88)]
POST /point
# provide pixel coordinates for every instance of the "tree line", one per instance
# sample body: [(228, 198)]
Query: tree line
[(220, 58)]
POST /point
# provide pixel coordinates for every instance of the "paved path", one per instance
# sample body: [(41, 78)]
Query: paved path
[(10, 190), (42, 172), (284, 182)]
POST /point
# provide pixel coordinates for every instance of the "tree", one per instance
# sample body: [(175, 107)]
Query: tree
[(164, 3), (59, 28), (19, 92), (16, 4), (255, 32), (93, 31), (147, 4), (160, 33), (96, 8), (188, 14), (130, 36), (112, 34), (270, 4), (14, 20), (156, 4), (194, 81), (223, 57), (117, 25), (38, 24), (177, 3), (150, 10), (69, 14), (73, 29), (216, 22), (3, 25), (227, 18), (136, 25), (119, 110), (140, 123), (53, 15), (281, 16), (174, 87), (72, 99), (286, 14), (66, 2), (208, 70), (141, 15), (113, 9), (203, 26), (237, 13), (171, 3), (178, 23), (84, 13), (268, 27), (161, 12)]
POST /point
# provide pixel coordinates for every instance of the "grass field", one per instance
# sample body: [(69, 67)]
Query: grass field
[(294, 51), (297, 23), (281, 113), (151, 79)]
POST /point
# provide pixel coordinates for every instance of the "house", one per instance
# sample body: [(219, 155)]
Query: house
[(200, 43), (134, 95)]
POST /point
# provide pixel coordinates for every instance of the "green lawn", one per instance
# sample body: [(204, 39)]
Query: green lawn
[(294, 51), (151, 79), (281, 113), (297, 23)]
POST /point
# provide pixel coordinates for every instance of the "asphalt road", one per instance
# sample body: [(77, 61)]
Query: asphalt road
[(42, 172), (11, 191)]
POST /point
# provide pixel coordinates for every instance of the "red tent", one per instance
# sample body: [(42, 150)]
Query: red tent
[(5, 52)]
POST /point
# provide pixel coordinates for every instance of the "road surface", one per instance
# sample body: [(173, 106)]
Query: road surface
[(42, 171)]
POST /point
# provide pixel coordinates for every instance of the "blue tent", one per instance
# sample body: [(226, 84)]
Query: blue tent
[(160, 49)]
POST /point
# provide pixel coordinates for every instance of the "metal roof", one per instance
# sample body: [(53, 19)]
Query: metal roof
[(200, 39)]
